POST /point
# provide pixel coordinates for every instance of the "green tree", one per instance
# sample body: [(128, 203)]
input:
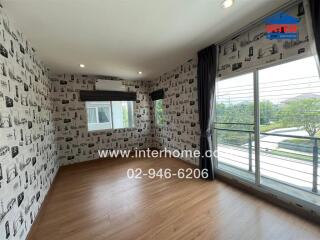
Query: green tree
[(302, 113), (244, 112), (125, 113), (159, 112), (241, 113), (268, 112), (236, 113)]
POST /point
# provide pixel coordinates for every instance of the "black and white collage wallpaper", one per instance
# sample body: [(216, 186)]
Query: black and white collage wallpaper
[(181, 130), (75, 142), (252, 49), (28, 153)]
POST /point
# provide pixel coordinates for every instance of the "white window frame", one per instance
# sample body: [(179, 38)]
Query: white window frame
[(97, 104)]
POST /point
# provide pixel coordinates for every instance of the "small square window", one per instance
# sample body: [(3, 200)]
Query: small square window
[(110, 115), (159, 112)]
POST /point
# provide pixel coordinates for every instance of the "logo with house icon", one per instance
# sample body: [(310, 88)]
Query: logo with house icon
[(282, 26)]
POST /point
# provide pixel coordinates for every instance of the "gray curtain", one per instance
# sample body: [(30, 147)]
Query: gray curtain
[(207, 62), (315, 17)]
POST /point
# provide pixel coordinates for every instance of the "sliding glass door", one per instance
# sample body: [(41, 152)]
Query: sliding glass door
[(279, 109)]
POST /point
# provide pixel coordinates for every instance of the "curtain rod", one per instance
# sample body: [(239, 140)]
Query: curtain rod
[(259, 21)]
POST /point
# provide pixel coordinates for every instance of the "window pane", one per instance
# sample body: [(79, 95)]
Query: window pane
[(234, 125), (290, 123), (159, 112), (103, 113), (129, 113), (92, 116), (99, 115), (122, 114), (234, 100)]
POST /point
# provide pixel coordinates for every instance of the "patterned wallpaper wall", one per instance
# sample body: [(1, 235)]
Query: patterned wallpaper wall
[(75, 143), (253, 49), (181, 130), (28, 154)]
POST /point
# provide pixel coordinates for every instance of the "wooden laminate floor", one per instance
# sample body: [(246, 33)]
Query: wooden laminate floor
[(96, 200)]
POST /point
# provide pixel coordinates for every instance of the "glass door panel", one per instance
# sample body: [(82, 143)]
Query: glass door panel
[(290, 125), (234, 126)]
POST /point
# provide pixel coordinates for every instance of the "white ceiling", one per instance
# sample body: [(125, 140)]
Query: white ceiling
[(122, 37)]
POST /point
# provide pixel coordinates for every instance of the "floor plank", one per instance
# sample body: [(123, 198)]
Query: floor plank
[(96, 200)]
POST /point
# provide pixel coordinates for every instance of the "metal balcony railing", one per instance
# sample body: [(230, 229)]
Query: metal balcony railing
[(286, 161)]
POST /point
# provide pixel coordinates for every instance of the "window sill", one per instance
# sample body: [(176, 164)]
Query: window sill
[(110, 130)]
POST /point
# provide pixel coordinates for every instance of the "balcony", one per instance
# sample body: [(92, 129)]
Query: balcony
[(289, 162)]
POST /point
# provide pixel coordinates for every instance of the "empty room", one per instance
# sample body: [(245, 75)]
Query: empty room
[(159, 119)]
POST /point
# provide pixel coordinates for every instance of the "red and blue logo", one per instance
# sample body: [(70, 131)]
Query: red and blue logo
[(282, 26)]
